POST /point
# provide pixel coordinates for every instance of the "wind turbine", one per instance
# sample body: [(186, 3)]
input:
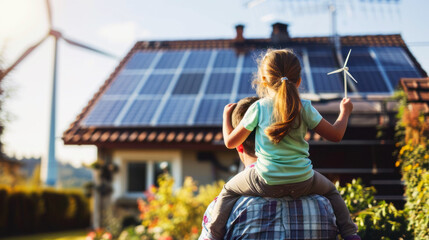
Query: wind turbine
[(345, 69), (49, 168)]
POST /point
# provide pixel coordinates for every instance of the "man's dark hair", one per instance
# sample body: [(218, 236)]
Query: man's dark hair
[(237, 115)]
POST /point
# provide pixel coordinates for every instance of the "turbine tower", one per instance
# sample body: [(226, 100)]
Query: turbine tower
[(49, 171)]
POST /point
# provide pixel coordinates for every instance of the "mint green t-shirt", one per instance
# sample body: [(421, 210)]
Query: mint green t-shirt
[(287, 161)]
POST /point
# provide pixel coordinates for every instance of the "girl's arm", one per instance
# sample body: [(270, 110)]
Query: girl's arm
[(335, 132), (232, 137)]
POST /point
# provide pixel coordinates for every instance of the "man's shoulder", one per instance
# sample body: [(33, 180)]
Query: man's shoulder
[(305, 202), (252, 217), (282, 217)]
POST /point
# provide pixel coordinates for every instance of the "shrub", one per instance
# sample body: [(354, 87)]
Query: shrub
[(414, 163), (169, 214), (412, 130), (28, 211), (375, 220)]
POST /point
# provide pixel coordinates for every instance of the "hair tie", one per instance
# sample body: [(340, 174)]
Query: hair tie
[(284, 79)]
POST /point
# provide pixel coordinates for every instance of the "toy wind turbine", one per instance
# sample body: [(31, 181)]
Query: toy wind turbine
[(345, 69)]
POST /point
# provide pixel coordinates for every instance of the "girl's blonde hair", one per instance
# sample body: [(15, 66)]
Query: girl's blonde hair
[(280, 71)]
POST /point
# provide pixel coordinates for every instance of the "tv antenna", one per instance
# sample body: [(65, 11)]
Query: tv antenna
[(336, 9)]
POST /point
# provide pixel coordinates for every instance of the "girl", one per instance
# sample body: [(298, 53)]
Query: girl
[(281, 120)]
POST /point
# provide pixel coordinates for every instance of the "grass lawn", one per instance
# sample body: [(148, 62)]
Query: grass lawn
[(68, 235)]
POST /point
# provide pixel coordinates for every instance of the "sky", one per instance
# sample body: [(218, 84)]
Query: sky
[(115, 25)]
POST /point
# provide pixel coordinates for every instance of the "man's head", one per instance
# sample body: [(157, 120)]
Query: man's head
[(237, 115)]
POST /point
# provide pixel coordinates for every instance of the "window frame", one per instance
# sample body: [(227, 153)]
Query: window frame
[(123, 157)]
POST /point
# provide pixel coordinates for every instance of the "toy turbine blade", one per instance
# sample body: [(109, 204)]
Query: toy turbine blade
[(347, 59), (351, 76), (336, 71)]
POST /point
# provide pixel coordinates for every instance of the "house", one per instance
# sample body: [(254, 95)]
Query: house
[(417, 94), (161, 108)]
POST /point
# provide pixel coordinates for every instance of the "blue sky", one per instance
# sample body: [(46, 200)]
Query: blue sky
[(114, 26)]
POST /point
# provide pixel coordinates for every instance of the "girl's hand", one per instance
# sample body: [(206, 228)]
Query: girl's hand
[(346, 106), (227, 111)]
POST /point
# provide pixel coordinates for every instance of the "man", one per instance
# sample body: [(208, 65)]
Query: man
[(309, 217)]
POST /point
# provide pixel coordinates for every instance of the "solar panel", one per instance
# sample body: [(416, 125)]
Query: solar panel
[(370, 81), (188, 83), (220, 83), (359, 57), (124, 84), (226, 59), (245, 86), (104, 112), (170, 59), (210, 111), (171, 85), (395, 76), (141, 112), (393, 57), (327, 84), (303, 87), (198, 59), (176, 111), (250, 59), (323, 61), (140, 60), (156, 84)]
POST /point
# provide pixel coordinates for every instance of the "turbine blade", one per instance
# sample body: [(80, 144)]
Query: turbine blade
[(49, 12), (253, 3), (336, 71), (351, 76), (347, 59), (22, 57), (89, 48)]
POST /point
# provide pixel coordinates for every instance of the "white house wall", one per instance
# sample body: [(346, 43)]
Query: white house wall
[(184, 163)]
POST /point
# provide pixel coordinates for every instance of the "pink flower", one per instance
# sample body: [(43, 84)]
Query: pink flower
[(91, 236), (107, 235)]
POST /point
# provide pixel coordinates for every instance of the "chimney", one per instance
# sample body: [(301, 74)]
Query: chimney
[(239, 29), (280, 33)]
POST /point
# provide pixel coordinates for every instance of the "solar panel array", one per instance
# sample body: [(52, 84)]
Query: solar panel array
[(191, 87)]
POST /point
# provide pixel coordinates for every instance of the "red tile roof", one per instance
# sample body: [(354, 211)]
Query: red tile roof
[(79, 134), (417, 92), (150, 137)]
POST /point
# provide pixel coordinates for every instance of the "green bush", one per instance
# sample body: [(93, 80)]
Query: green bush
[(412, 131), (28, 211), (414, 162), (168, 214), (375, 220)]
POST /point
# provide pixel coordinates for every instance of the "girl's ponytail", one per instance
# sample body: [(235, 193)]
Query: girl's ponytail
[(287, 108), (280, 70)]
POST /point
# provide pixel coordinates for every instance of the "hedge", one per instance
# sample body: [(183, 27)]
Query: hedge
[(24, 211)]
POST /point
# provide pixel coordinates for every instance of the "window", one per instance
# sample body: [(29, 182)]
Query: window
[(140, 169), (137, 174), (141, 175)]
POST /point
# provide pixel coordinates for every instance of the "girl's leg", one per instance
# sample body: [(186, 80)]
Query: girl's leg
[(323, 186), (246, 182)]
